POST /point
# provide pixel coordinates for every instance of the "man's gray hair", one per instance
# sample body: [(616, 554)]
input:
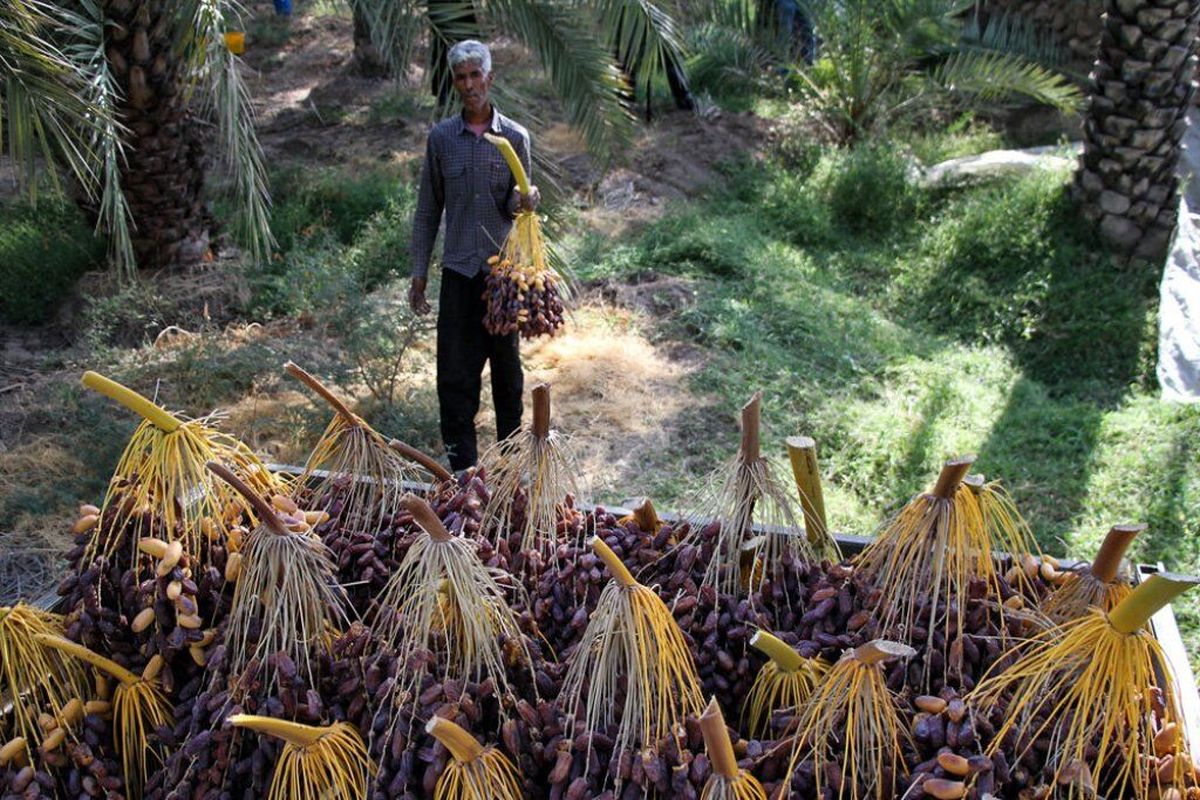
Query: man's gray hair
[(471, 50)]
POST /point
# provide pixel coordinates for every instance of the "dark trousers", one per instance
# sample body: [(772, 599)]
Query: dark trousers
[(463, 347)]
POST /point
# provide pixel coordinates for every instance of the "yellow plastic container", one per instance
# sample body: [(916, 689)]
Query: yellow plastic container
[(236, 42)]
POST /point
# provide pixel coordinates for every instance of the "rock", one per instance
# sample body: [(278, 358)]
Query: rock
[(1113, 203), (1119, 232), (998, 163)]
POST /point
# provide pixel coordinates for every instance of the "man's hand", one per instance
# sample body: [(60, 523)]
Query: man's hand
[(416, 297), (530, 201)]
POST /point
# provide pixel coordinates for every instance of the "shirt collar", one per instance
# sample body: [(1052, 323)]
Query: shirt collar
[(493, 126)]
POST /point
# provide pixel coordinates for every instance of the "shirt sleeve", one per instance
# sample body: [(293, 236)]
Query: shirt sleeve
[(431, 200), (527, 162)]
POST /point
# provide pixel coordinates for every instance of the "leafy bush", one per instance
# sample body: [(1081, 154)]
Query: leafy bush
[(318, 269), (696, 242), (867, 190), (43, 251), (309, 203)]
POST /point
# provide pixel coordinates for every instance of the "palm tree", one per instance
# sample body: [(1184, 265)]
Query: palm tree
[(51, 113), (880, 60), (1141, 90)]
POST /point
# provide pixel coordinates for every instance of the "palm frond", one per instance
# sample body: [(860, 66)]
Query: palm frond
[(994, 76), (725, 58), (88, 42), (582, 72), (44, 102), (1007, 32), (642, 34), (215, 70)]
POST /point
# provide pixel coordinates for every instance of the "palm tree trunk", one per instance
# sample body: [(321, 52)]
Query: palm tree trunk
[(166, 159), (1140, 93), (368, 61)]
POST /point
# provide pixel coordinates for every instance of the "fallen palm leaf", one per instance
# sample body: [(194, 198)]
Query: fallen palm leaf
[(33, 677), (475, 772), (524, 293), (317, 761), (286, 597), (786, 681), (538, 462), (1088, 685), (745, 491), (632, 644), (138, 707), (352, 472), (727, 781), (851, 721), (1096, 585), (442, 599), (928, 554), (162, 471)]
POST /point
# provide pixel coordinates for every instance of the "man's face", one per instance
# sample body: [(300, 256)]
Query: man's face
[(472, 85)]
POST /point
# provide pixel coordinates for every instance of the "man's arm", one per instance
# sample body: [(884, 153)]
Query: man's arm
[(431, 200)]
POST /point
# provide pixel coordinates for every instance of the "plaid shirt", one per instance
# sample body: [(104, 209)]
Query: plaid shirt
[(465, 176)]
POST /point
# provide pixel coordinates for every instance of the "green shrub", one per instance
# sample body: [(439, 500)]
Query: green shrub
[(320, 268), (43, 251), (867, 190), (697, 242), (309, 203)]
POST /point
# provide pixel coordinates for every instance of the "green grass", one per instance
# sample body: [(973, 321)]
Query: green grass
[(978, 321)]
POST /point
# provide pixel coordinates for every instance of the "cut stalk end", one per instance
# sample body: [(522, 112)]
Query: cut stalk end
[(160, 417), (1108, 557), (751, 447), (716, 741), (802, 453), (786, 658), (620, 572), (424, 459), (952, 475), (646, 517), (461, 744), (881, 650), (541, 410), (1144, 602), (426, 517), (262, 508), (309, 380)]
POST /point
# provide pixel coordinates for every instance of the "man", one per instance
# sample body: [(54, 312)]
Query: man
[(465, 177)]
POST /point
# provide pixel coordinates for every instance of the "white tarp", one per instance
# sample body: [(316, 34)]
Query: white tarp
[(1179, 315)]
